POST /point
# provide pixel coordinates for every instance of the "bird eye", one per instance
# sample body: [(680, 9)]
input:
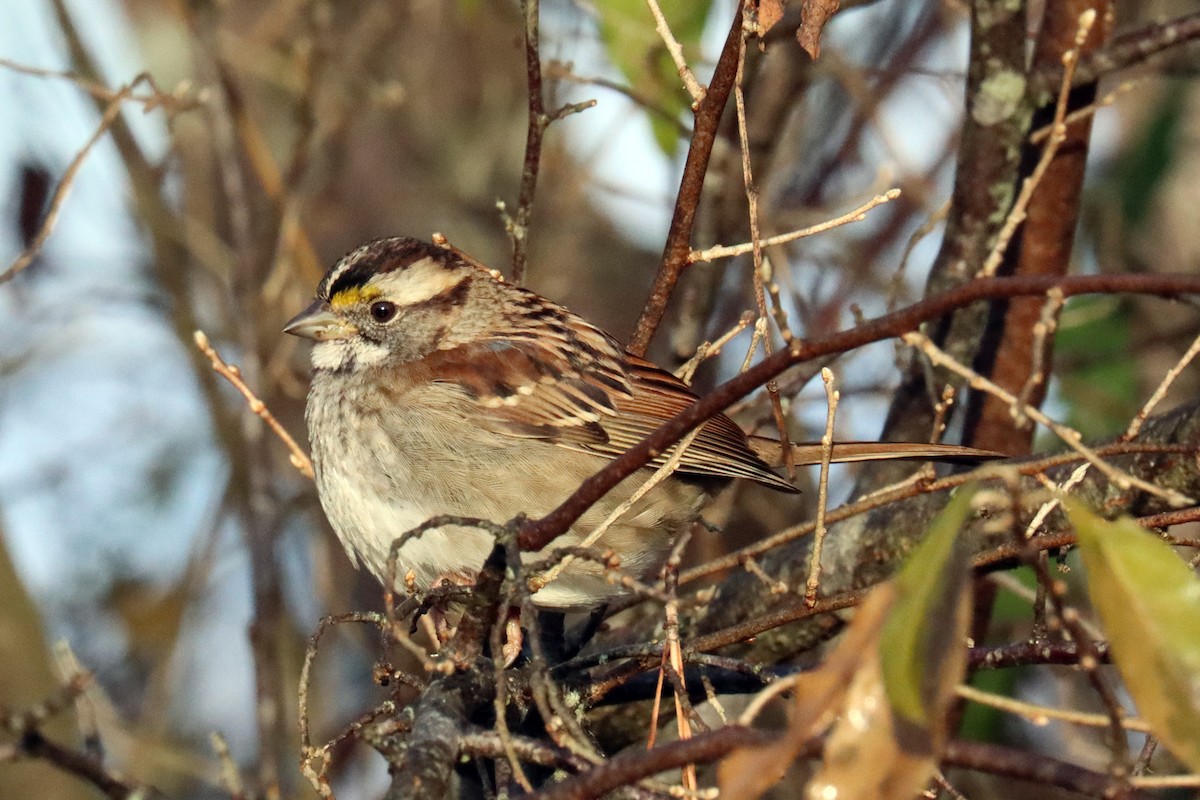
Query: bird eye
[(383, 311)]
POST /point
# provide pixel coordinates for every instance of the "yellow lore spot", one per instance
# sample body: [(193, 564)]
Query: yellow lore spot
[(353, 296)]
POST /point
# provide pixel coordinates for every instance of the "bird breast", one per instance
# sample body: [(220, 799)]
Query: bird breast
[(384, 467)]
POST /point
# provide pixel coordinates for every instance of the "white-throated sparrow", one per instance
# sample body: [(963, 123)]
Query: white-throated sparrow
[(440, 389)]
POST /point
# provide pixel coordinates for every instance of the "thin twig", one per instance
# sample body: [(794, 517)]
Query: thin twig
[(673, 653), (1126, 50), (712, 349), (903, 491), (1071, 437), (857, 214), (774, 585), (518, 225), (694, 89), (1160, 391), (814, 564), (1041, 715), (1070, 620), (1043, 133), (231, 775), (758, 264), (111, 113), (230, 373), (560, 71), (1165, 781), (172, 101), (660, 474), (1043, 339)]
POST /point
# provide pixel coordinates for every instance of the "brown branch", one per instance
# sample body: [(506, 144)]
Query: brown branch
[(1169, 518), (1127, 50), (704, 134), (1044, 241), (34, 745), (239, 149), (1023, 654), (518, 225), (110, 115), (536, 534), (633, 765), (1042, 770), (31, 743)]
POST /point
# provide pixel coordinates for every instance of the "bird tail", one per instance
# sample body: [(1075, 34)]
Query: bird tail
[(806, 453)]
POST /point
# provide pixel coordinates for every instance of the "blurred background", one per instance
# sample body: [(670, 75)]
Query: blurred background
[(154, 525)]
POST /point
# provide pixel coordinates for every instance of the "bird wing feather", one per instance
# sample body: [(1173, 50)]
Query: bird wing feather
[(587, 395)]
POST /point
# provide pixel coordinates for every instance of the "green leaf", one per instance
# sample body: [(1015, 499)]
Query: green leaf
[(926, 624), (634, 46), (1148, 601)]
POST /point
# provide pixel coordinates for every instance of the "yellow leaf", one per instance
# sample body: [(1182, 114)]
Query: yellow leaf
[(1148, 601)]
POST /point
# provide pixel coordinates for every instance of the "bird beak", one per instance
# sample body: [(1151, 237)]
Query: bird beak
[(319, 323)]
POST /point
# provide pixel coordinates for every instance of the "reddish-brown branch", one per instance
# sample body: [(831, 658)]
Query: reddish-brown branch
[(1043, 245), (679, 237), (34, 745), (536, 534), (535, 131), (1023, 654), (1169, 518), (633, 765), (1042, 770)]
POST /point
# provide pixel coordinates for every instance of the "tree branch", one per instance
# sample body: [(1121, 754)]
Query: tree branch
[(536, 534), (678, 246)]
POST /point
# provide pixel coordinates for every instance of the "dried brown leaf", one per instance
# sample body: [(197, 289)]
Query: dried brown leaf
[(819, 695), (813, 16), (769, 13), (873, 752)]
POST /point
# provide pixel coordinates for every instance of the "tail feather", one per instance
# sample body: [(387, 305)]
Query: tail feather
[(805, 453)]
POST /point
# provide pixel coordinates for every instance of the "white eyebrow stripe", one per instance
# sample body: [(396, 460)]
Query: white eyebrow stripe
[(420, 281)]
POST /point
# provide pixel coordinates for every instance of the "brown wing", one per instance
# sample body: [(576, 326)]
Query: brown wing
[(523, 390), (719, 450), (588, 396)]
